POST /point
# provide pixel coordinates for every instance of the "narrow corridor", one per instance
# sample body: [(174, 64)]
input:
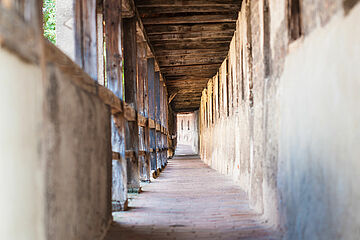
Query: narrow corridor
[(190, 201)]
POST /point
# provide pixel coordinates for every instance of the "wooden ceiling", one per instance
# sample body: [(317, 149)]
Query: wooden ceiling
[(191, 39)]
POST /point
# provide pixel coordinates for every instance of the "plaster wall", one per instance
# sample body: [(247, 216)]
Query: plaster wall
[(22, 185), (79, 160), (55, 153), (319, 133), (295, 132)]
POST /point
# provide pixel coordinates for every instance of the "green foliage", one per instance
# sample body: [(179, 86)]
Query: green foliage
[(49, 20)]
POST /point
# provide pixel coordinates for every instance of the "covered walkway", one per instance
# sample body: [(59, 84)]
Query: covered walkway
[(179, 119), (190, 201)]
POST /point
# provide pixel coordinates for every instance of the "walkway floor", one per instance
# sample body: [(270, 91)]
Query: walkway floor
[(189, 201)]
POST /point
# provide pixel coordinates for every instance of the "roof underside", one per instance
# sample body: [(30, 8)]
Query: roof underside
[(191, 39)]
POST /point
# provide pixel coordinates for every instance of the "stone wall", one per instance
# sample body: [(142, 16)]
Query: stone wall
[(290, 137)]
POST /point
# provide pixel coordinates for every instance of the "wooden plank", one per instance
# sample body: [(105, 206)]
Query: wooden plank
[(192, 45), (194, 28), (148, 9), (186, 61), (85, 36), (191, 36), (192, 52), (198, 19), (113, 28), (173, 3)]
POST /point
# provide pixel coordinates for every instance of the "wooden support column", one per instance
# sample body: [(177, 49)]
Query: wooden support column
[(161, 147), (132, 138), (164, 107), (85, 36), (152, 110), (143, 103), (113, 27), (157, 120)]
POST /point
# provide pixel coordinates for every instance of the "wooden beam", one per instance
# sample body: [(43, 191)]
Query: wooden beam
[(198, 19), (183, 28), (192, 52), (173, 3), (186, 61), (145, 10), (191, 36), (192, 45)]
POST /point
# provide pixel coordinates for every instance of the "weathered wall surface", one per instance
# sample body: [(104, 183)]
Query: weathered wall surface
[(79, 158), (319, 134), (22, 212), (291, 136), (55, 146)]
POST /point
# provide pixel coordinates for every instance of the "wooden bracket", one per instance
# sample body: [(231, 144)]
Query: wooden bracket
[(130, 113), (142, 121), (152, 124)]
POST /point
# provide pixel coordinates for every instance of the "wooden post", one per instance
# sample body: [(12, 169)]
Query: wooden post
[(85, 36), (113, 27), (157, 120), (161, 144), (144, 157), (132, 138), (152, 125)]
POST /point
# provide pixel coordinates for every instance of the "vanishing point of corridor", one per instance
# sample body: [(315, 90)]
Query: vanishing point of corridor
[(190, 201)]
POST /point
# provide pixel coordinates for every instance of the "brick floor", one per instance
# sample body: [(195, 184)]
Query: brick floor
[(189, 201)]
